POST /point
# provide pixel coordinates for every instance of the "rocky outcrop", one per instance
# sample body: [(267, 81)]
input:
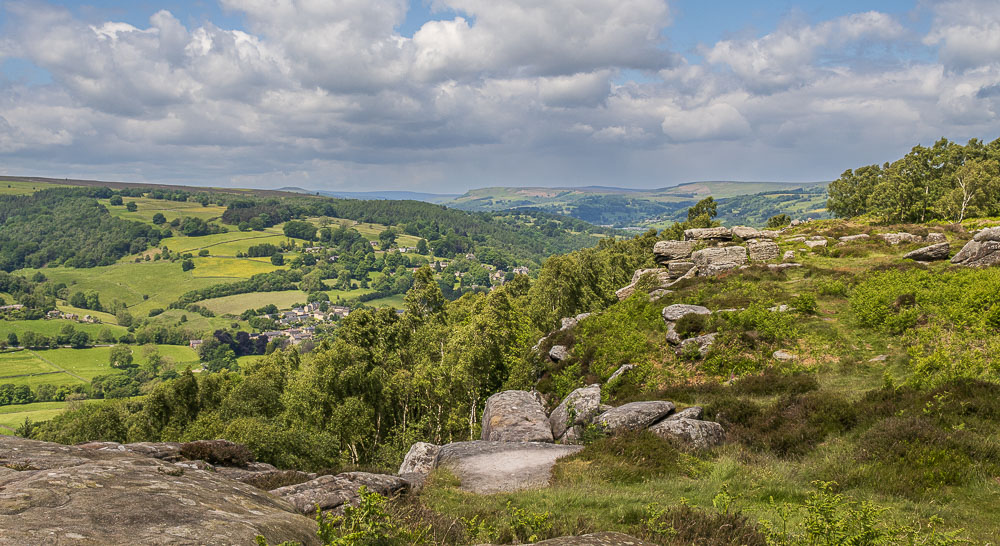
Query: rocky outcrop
[(762, 251), (634, 416), (703, 343), (936, 238), (851, 238), (679, 269), (578, 409), (712, 261), (166, 451), (515, 416), (783, 355), (691, 432), (334, 493), (56, 494), (708, 234), (788, 256), (983, 250), (814, 243), (495, 467), (654, 279), (666, 251), (901, 237), (930, 253), (621, 371)]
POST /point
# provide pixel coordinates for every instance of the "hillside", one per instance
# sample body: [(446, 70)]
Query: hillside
[(624, 207)]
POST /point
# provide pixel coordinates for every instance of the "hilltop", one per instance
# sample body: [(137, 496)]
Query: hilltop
[(740, 202)]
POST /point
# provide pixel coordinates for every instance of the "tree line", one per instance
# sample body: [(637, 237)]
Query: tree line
[(946, 181)]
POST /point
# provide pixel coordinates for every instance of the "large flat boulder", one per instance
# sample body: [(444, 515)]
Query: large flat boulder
[(496, 467), (900, 237), (419, 459), (634, 416), (515, 416), (334, 493), (708, 234), (690, 432), (665, 251), (654, 279), (56, 494), (675, 312), (578, 408), (744, 232), (712, 261)]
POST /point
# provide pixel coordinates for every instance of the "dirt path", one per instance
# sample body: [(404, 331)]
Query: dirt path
[(53, 364)]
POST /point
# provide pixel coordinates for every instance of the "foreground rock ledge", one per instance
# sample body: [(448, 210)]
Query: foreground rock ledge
[(56, 494)]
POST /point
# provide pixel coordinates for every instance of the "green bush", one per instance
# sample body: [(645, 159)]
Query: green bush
[(691, 324), (626, 458)]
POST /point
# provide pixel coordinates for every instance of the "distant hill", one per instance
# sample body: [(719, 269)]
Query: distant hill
[(379, 195), (624, 207)]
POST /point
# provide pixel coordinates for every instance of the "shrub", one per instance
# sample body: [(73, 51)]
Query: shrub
[(626, 458), (682, 525), (805, 304), (773, 382), (218, 452), (691, 324)]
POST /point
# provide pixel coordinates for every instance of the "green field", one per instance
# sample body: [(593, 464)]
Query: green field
[(396, 301), (11, 187), (146, 208), (52, 327), (75, 366), (13, 416), (162, 283), (231, 268), (225, 244), (236, 304)]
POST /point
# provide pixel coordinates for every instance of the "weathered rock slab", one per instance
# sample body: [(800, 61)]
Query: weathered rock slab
[(665, 251), (708, 234), (515, 416), (634, 416), (763, 251), (558, 353), (901, 237), (982, 251), (419, 459), (932, 253), (495, 467), (673, 313), (67, 494), (655, 279), (691, 432), (694, 412), (850, 238)]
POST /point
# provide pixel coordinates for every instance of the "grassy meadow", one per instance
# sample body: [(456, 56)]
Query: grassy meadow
[(12, 187), (146, 208)]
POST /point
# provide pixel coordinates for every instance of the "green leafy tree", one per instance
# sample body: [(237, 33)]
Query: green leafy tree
[(116, 200), (277, 259), (120, 357), (187, 265), (131, 206), (387, 238), (159, 219)]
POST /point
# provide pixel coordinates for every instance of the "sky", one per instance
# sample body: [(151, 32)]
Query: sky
[(443, 96)]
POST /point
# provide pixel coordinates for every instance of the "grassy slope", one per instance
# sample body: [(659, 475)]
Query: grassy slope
[(12, 416), (832, 348)]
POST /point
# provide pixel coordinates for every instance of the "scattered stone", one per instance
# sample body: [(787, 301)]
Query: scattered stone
[(558, 353), (901, 237), (850, 238), (795, 222), (795, 239), (936, 237), (704, 343), (784, 355), (672, 336), (788, 256), (762, 251), (708, 234), (570, 322), (166, 451), (334, 493), (694, 412), (712, 261), (495, 467), (673, 313), (780, 267), (691, 432), (634, 416), (515, 416), (879, 358), (665, 251), (583, 403), (983, 250), (72, 494), (814, 243), (930, 253), (419, 459), (620, 372)]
